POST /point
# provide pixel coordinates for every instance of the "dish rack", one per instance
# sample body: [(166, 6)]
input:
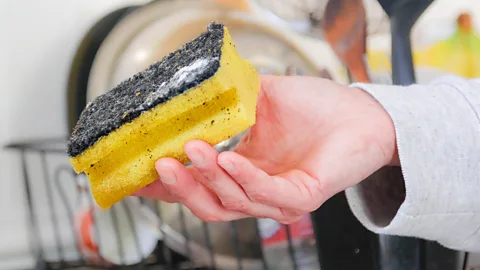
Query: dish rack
[(54, 195)]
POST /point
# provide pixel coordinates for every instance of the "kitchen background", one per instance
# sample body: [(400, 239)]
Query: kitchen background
[(40, 39)]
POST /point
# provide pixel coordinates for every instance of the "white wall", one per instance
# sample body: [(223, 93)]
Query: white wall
[(38, 40)]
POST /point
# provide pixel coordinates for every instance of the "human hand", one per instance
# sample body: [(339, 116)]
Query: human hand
[(312, 139)]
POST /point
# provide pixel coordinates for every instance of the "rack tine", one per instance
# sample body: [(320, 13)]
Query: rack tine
[(259, 241), (61, 192), (185, 232), (134, 228), (36, 242), (51, 206), (120, 250), (91, 204), (208, 242), (236, 244), (291, 249), (167, 253)]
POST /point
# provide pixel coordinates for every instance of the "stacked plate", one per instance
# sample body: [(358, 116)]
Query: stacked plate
[(139, 36)]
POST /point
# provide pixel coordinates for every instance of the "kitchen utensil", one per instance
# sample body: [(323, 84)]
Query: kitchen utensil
[(403, 252), (403, 14), (343, 243), (344, 27)]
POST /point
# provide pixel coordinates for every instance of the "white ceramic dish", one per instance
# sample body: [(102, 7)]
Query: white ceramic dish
[(148, 34), (152, 31)]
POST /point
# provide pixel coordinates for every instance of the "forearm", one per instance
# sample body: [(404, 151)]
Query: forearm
[(438, 139)]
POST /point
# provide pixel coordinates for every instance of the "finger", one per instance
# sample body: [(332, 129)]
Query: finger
[(179, 182), (204, 158), (292, 190), (155, 190), (230, 193)]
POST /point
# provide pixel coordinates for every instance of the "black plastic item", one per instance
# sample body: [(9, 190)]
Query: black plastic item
[(401, 252), (395, 252), (403, 14), (83, 60), (342, 241)]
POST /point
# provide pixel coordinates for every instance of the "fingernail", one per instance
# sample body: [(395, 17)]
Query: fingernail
[(196, 157), (167, 176), (227, 166)]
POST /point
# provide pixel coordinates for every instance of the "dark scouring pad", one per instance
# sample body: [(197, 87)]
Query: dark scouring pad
[(148, 88)]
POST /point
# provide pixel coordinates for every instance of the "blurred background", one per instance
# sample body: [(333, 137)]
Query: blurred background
[(57, 55)]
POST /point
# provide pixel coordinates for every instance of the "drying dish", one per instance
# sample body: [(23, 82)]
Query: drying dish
[(150, 32)]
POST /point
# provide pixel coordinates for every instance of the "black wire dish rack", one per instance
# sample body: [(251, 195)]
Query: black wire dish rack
[(68, 231)]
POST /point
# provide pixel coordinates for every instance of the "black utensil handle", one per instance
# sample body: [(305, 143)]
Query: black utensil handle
[(402, 20), (403, 16), (342, 241), (403, 252), (403, 72)]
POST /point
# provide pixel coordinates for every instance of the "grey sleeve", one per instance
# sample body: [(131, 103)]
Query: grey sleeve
[(435, 194)]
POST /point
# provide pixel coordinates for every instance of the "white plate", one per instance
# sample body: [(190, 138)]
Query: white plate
[(123, 235), (138, 235), (150, 32)]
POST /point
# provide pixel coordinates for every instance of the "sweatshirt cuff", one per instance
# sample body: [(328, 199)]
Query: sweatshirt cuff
[(437, 131)]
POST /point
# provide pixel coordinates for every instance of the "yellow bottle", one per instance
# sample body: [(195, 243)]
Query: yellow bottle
[(459, 54)]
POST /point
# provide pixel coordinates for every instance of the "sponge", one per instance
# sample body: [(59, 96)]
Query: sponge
[(205, 90)]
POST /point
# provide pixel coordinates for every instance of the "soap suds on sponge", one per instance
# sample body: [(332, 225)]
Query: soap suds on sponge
[(186, 74)]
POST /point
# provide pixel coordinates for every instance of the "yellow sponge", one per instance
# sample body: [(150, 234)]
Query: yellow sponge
[(204, 90)]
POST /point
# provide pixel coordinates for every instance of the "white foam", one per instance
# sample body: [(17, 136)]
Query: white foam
[(186, 74)]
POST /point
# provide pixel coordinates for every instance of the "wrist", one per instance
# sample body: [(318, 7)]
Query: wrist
[(381, 130), (388, 137), (395, 160)]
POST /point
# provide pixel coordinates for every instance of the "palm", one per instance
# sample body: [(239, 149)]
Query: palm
[(290, 130), (284, 132)]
